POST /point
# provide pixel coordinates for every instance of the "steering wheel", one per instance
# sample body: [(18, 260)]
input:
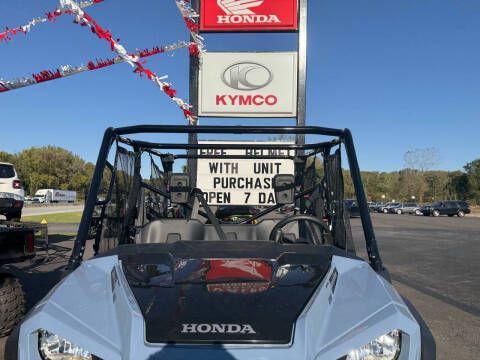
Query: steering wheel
[(276, 233)]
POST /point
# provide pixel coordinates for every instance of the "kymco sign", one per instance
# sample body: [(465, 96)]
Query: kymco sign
[(244, 15), (248, 84)]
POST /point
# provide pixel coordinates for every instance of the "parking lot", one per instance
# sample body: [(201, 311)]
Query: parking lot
[(433, 263)]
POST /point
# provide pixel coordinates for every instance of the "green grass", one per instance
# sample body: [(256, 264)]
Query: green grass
[(60, 218)]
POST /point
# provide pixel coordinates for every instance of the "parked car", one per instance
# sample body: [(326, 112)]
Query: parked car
[(407, 208), (392, 209), (12, 195), (376, 206), (386, 208), (352, 207), (372, 205), (448, 207)]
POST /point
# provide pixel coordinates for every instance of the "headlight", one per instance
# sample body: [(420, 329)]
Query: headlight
[(385, 347), (54, 347)]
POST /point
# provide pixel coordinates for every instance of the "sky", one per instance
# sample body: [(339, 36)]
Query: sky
[(401, 74)]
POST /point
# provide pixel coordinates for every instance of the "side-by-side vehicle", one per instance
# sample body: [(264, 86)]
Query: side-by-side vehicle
[(267, 286)]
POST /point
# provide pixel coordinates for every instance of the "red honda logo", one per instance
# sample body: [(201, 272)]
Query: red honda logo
[(235, 15)]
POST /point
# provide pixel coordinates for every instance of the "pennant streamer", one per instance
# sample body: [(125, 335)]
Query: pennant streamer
[(49, 16), (82, 18), (191, 17), (68, 70), (196, 48)]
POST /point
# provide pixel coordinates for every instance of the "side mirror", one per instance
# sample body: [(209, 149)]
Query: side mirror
[(179, 188), (284, 186)]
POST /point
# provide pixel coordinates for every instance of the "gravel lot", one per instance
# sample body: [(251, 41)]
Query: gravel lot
[(433, 263)]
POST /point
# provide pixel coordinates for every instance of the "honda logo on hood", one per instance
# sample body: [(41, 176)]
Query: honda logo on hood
[(217, 329), (247, 76)]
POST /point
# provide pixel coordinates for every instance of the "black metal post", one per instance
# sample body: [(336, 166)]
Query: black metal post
[(79, 246), (193, 100), (370, 241)]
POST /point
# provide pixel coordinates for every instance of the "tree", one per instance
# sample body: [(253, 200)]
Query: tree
[(50, 167), (421, 159), (417, 162), (437, 185), (472, 170), (7, 157), (458, 186)]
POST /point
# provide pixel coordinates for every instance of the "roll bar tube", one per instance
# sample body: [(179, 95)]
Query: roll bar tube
[(80, 240), (113, 133), (370, 240)]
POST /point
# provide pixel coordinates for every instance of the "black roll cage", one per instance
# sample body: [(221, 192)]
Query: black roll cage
[(118, 134)]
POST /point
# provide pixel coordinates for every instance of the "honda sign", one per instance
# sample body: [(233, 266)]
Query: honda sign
[(244, 15), (248, 84)]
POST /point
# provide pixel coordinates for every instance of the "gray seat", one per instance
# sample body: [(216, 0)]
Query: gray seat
[(171, 230)]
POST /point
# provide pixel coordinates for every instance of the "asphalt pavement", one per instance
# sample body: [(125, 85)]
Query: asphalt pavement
[(434, 264)]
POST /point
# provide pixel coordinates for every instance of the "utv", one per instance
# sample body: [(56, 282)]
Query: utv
[(191, 287)]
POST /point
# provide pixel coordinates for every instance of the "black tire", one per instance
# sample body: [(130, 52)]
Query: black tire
[(461, 213), (436, 213), (12, 304), (399, 212), (385, 211)]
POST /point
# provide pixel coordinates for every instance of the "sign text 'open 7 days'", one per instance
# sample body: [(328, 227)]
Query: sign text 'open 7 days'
[(248, 15), (241, 181), (242, 84)]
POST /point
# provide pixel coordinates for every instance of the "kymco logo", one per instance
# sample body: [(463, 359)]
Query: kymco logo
[(247, 76)]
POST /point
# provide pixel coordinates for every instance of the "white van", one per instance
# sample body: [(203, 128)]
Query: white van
[(12, 194)]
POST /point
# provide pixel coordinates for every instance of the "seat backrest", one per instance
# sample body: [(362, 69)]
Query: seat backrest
[(171, 230), (254, 232)]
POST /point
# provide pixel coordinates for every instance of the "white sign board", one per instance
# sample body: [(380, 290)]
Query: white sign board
[(241, 181), (245, 84)]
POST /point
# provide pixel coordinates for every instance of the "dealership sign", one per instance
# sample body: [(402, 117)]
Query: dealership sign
[(245, 15), (246, 181), (248, 84)]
